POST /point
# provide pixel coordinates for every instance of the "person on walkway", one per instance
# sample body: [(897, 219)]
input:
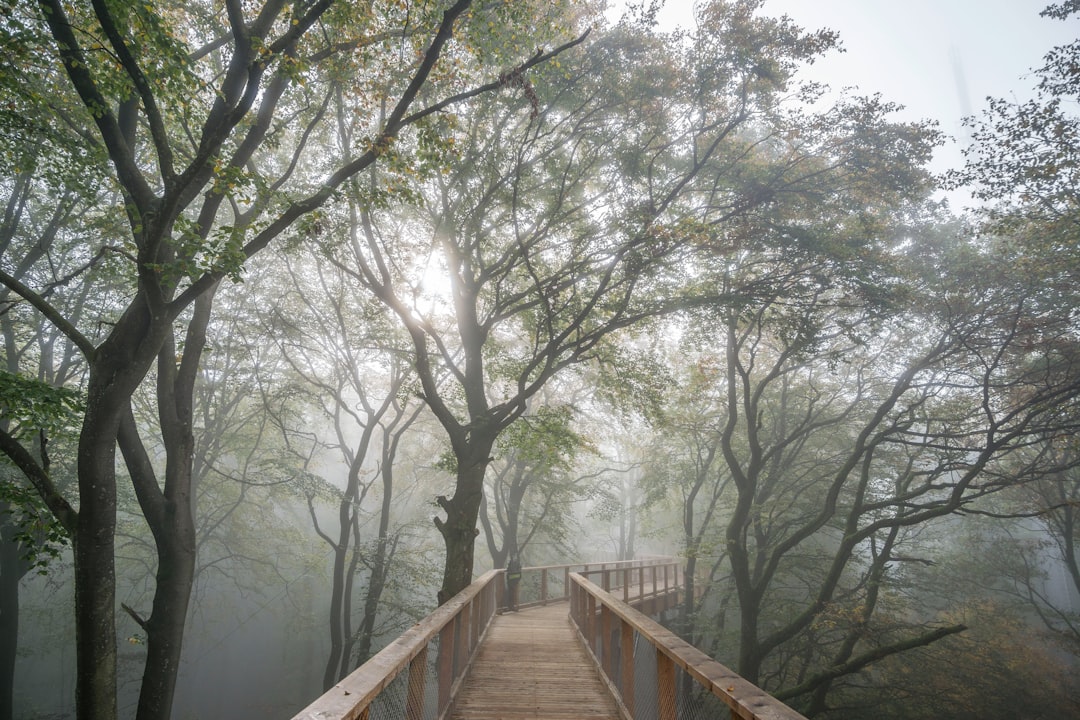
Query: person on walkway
[(513, 578)]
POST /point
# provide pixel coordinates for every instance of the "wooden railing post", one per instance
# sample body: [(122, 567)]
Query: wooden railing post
[(543, 587), (474, 624), (605, 637), (590, 623), (414, 702), (446, 665), (626, 664), (665, 686), (461, 634)]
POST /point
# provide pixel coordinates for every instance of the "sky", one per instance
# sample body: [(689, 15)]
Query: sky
[(941, 59)]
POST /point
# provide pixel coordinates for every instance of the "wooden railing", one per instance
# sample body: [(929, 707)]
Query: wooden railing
[(436, 652), (545, 584), (652, 672), (418, 674)]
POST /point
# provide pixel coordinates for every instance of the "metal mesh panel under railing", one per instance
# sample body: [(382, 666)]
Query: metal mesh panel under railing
[(390, 703), (695, 702), (646, 700), (431, 680), (556, 585), (655, 667), (529, 588)]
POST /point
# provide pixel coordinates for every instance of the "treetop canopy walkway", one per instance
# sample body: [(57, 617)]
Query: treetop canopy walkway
[(581, 646)]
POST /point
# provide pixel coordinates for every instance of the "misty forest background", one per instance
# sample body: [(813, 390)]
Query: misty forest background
[(573, 286)]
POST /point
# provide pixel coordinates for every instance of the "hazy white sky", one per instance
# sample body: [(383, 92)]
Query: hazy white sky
[(912, 51)]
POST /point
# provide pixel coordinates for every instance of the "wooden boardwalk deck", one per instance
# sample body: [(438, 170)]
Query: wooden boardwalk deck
[(532, 665)]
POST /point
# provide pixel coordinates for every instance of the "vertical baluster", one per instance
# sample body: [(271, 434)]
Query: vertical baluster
[(626, 664), (446, 664), (593, 636), (414, 702), (474, 626), (461, 642), (665, 686), (607, 656)]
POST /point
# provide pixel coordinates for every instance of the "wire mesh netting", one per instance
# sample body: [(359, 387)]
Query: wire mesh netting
[(633, 673), (392, 702), (538, 586), (646, 694), (529, 588), (695, 702)]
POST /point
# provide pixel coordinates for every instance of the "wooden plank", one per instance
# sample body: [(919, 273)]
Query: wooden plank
[(532, 665)]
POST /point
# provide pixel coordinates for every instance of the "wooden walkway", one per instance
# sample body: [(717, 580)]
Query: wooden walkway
[(532, 665)]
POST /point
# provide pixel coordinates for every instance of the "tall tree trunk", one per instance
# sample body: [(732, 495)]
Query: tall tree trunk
[(95, 571), (459, 530), (384, 551), (345, 563), (12, 569), (337, 599), (169, 509), (165, 627)]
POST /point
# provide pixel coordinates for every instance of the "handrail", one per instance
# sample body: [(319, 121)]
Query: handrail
[(544, 584), (438, 650), (608, 626), (457, 627)]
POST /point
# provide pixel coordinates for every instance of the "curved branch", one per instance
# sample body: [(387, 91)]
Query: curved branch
[(60, 322), (880, 653), (142, 87), (78, 72), (39, 478)]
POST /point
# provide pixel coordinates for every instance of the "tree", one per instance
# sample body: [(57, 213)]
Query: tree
[(30, 538), (183, 108), (571, 218), (834, 439), (45, 194), (1022, 160), (1023, 165), (341, 350), (534, 481)]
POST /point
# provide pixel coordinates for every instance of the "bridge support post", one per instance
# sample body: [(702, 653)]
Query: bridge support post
[(474, 626), (626, 664), (414, 703), (665, 686), (606, 635), (446, 665), (590, 624)]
